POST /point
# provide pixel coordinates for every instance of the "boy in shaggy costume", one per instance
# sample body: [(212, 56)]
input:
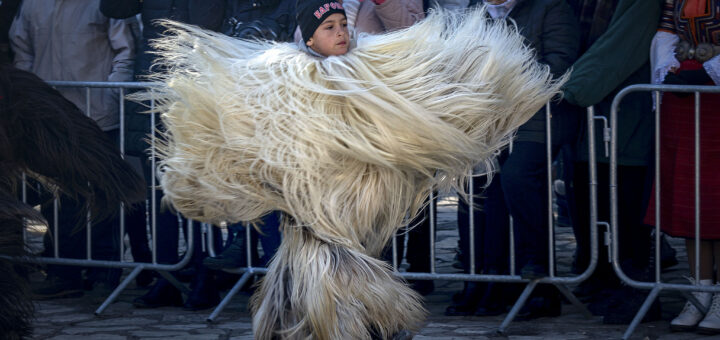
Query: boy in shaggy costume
[(347, 139)]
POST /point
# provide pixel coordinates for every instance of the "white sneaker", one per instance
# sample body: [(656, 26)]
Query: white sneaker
[(690, 316), (711, 322)]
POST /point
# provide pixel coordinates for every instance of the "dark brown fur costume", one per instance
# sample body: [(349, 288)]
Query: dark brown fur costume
[(49, 138)]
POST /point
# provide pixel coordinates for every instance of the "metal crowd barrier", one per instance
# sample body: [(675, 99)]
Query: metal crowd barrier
[(251, 270), (137, 267), (561, 282), (658, 285)]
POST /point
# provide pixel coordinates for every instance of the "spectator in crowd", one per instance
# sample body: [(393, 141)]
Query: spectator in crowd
[(519, 187), (71, 40), (8, 8), (686, 26), (207, 14), (270, 20), (615, 39)]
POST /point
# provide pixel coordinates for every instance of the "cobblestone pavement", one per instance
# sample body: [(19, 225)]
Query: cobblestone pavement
[(73, 319)]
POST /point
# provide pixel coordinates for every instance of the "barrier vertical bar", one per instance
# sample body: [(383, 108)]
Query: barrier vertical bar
[(697, 186), (592, 172), (153, 194), (88, 218), (657, 186), (551, 230), (471, 218), (248, 246), (56, 234), (24, 199), (432, 232), (122, 155)]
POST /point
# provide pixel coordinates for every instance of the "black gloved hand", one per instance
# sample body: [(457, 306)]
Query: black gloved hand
[(695, 77), (674, 79)]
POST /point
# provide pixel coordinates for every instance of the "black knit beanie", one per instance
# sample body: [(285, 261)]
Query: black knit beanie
[(311, 13)]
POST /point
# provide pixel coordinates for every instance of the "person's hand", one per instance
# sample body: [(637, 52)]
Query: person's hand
[(695, 77), (673, 78)]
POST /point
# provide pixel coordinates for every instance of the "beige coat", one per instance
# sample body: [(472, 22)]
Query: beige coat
[(72, 40)]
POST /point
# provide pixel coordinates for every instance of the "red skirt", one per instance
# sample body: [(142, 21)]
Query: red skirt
[(677, 165)]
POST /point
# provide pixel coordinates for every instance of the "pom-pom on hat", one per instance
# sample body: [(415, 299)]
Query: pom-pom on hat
[(311, 13)]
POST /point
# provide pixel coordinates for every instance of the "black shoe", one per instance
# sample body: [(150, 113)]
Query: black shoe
[(234, 256), (197, 303), (495, 299), (204, 293), (423, 287), (599, 304), (162, 294), (144, 279), (488, 310), (56, 288), (468, 299), (533, 271), (538, 307), (623, 307)]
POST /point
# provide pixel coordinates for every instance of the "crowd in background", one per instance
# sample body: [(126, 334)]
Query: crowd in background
[(608, 45)]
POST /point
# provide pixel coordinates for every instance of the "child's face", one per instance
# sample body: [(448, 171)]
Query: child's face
[(331, 37)]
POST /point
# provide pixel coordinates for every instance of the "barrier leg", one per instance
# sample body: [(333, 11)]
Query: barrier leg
[(641, 313), (518, 304), (241, 282), (134, 273), (167, 276), (573, 299)]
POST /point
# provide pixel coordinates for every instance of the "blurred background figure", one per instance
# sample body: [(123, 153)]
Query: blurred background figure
[(207, 14), (519, 188), (615, 36), (688, 25), (73, 40), (8, 8)]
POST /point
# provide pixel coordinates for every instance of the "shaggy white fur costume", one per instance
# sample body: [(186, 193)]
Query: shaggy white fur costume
[(347, 146)]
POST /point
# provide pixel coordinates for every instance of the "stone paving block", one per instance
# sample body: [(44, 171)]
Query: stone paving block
[(89, 337), (45, 309), (117, 321), (90, 330), (423, 337), (181, 327), (471, 331), (158, 334), (68, 318), (198, 337), (211, 331), (234, 325)]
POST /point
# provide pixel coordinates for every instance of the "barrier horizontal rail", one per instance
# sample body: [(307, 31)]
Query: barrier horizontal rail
[(250, 270), (658, 285)]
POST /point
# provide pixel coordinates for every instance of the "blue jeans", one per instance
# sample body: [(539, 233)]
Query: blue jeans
[(269, 239)]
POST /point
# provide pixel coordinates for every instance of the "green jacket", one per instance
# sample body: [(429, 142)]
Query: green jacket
[(617, 59)]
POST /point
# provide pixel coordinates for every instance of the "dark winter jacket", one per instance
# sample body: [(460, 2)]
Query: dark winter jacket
[(617, 59), (274, 16), (208, 14), (550, 28), (8, 8)]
